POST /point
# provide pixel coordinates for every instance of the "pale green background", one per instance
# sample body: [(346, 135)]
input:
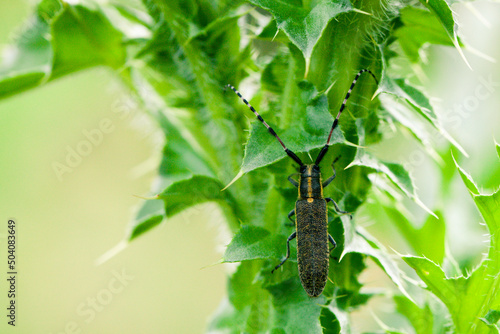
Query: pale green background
[(65, 226)]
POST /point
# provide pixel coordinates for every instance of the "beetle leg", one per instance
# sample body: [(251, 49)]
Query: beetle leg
[(290, 214), (291, 237), (328, 199), (292, 181), (330, 179), (330, 238)]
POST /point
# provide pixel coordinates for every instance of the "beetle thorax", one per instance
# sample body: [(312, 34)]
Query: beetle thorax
[(310, 182)]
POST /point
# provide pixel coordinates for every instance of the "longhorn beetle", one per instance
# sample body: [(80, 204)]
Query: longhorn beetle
[(311, 214)]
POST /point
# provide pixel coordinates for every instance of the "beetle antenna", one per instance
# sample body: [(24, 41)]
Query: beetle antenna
[(336, 121), (270, 129)]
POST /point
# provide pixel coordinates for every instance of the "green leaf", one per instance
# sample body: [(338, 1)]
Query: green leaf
[(228, 319), (61, 39), (248, 309), (145, 225), (32, 52), (304, 25), (492, 317), (81, 38), (420, 318), (274, 80), (367, 245), (427, 241), (469, 299), (271, 33), (242, 286), (18, 82), (133, 14), (444, 14), (217, 27), (280, 308), (413, 96), (342, 51), (498, 148), (467, 179), (407, 118), (398, 175), (182, 157), (295, 311), (198, 189), (252, 242), (150, 215), (419, 28), (340, 320), (402, 89), (330, 322), (357, 240), (433, 276)]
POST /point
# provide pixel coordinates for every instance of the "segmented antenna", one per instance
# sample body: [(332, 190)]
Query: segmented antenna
[(270, 129), (336, 121)]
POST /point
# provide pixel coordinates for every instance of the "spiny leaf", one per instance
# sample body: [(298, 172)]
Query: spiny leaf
[(467, 179), (180, 158), (303, 25), (217, 27), (341, 316), (359, 241), (248, 309), (18, 82), (228, 319), (419, 28), (408, 119), (428, 240), (446, 289), (419, 102), (149, 216), (198, 189), (145, 225), (421, 318), (443, 12), (295, 311), (80, 37), (253, 242), (492, 317), (469, 299), (398, 175), (32, 50), (242, 286)]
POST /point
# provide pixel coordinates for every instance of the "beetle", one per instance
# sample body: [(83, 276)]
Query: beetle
[(311, 213)]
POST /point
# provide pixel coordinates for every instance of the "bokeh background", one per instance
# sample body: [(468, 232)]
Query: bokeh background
[(65, 225)]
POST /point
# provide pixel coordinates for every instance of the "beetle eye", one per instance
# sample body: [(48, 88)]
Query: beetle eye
[(316, 168)]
